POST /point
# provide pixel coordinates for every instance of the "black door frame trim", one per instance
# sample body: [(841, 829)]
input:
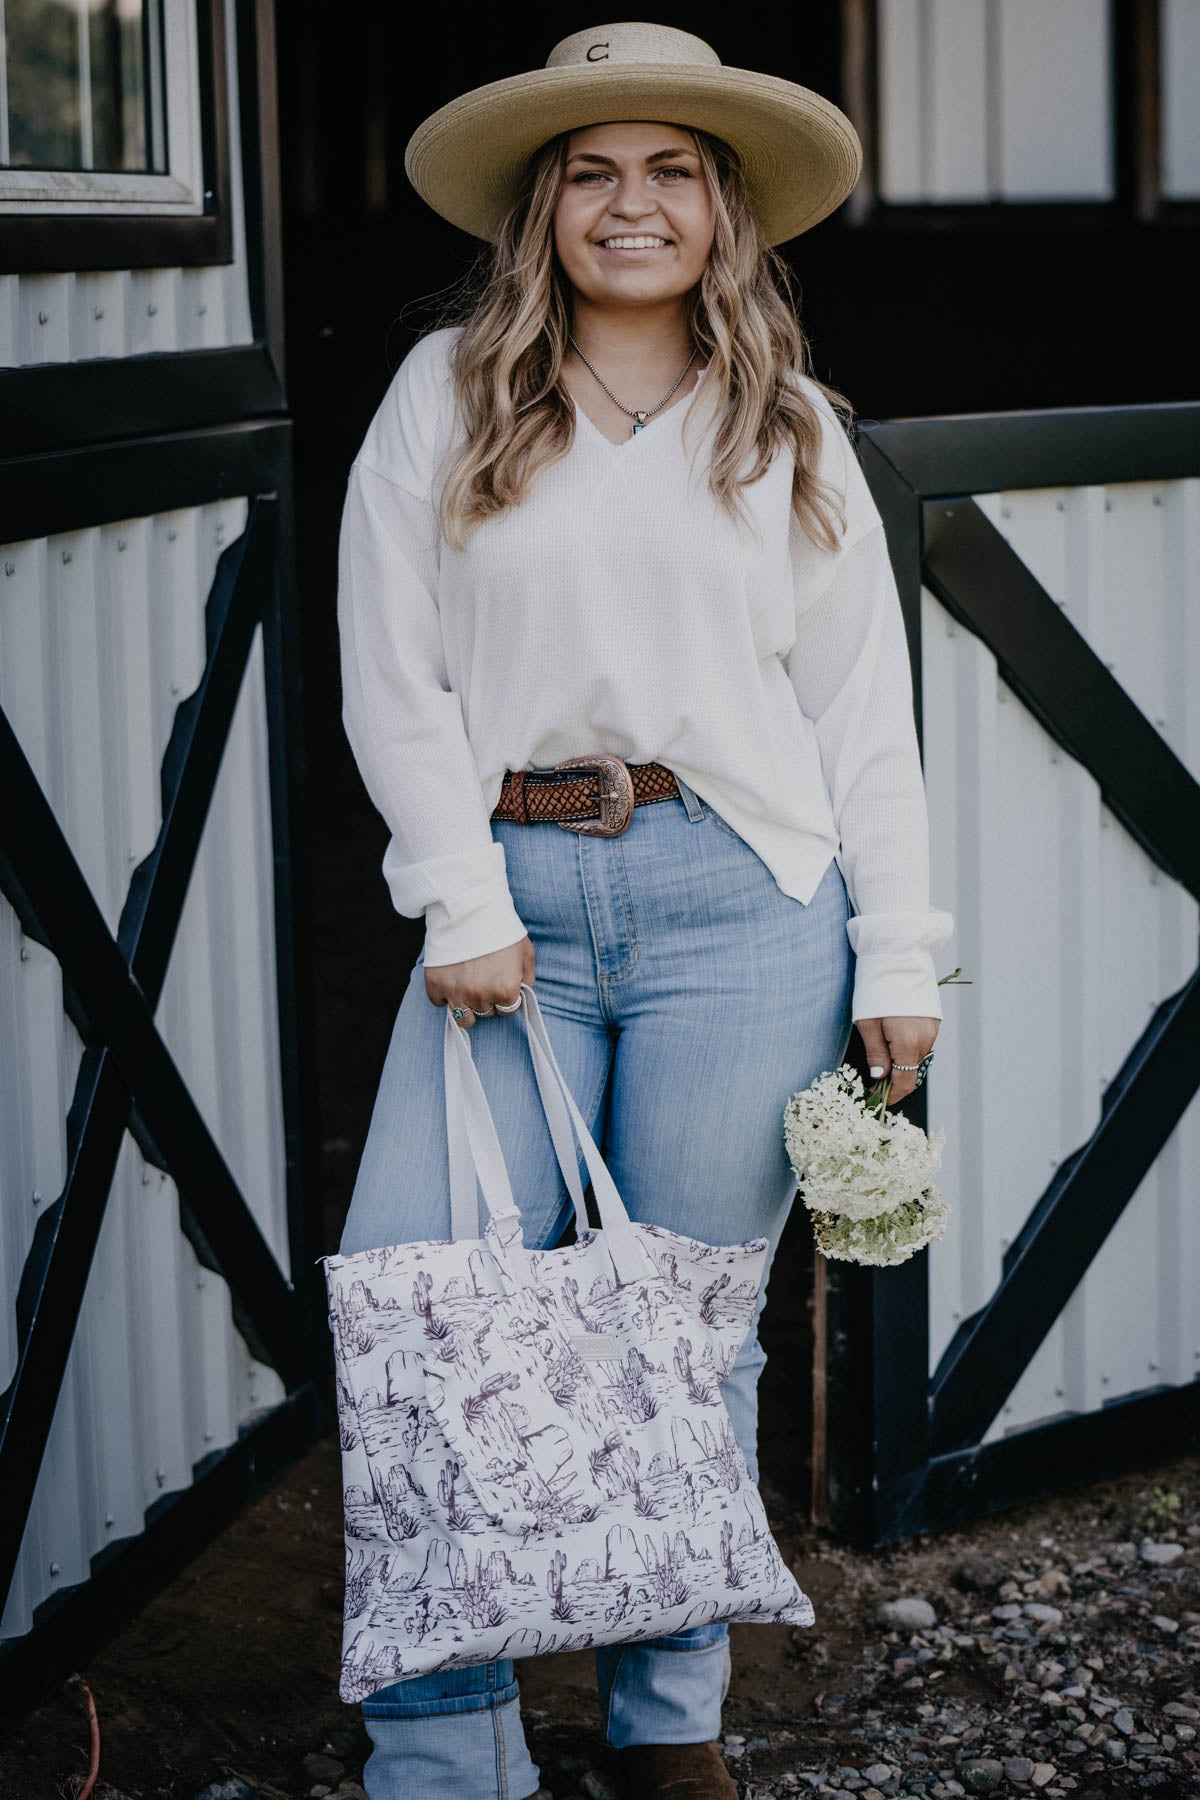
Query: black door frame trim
[(905, 1453), (127, 1079)]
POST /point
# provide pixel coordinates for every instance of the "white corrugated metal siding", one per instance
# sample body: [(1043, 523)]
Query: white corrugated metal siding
[(77, 315), (994, 100), (1181, 115), (1071, 936), (101, 637)]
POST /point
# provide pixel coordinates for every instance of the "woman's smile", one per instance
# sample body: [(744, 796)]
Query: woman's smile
[(634, 244)]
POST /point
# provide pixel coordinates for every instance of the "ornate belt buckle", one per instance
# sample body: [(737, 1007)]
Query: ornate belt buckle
[(616, 795)]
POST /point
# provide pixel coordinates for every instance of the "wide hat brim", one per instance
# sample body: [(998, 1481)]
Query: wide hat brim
[(800, 154)]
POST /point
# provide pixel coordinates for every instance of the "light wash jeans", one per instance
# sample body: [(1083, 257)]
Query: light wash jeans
[(687, 998)]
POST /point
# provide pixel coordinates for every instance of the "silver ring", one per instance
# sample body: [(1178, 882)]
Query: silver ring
[(508, 1009), (922, 1066)]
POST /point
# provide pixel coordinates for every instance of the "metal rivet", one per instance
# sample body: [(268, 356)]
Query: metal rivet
[(66, 556), (175, 688), (97, 312), (1006, 512), (10, 568), (1108, 505), (152, 309), (199, 1281), (1105, 1376), (203, 307), (172, 534), (56, 1568), (1060, 506), (24, 954), (1152, 1364), (160, 1475), (121, 543), (1156, 500), (37, 1198), (43, 318), (109, 1520)]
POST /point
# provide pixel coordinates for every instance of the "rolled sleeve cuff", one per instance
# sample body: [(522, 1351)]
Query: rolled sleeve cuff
[(896, 986), (472, 924)]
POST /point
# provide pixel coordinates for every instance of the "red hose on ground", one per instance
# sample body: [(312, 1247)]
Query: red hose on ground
[(94, 1728)]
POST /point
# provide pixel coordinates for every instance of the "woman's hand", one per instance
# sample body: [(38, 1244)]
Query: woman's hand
[(903, 1039), (480, 981)]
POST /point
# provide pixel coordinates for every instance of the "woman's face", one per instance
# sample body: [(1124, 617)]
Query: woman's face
[(626, 181)]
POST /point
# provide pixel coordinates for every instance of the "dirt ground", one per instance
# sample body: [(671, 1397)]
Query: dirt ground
[(232, 1670)]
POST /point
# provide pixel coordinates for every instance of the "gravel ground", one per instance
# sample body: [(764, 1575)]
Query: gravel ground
[(1053, 1649)]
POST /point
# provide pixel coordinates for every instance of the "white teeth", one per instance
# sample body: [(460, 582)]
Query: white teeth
[(633, 243)]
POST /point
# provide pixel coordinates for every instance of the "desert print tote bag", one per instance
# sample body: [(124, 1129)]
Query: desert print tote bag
[(535, 1452)]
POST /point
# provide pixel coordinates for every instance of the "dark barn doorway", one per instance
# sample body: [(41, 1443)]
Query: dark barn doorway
[(910, 311)]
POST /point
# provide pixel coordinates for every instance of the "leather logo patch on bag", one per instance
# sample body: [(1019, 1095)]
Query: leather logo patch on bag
[(592, 1345)]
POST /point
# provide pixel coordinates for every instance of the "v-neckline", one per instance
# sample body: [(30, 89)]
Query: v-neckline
[(636, 436)]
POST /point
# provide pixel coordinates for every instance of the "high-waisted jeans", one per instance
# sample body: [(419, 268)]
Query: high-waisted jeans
[(687, 998)]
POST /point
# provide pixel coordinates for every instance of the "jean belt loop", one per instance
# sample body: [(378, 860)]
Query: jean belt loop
[(690, 799)]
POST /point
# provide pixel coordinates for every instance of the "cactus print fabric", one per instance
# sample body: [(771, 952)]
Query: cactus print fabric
[(550, 1467)]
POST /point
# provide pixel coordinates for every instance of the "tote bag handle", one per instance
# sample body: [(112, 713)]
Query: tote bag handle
[(475, 1152)]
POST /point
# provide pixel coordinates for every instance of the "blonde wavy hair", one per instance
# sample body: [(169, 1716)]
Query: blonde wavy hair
[(514, 308)]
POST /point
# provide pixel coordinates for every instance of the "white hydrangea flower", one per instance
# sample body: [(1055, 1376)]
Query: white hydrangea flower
[(865, 1173)]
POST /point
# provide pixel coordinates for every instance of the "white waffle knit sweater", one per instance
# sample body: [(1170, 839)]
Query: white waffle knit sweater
[(620, 608)]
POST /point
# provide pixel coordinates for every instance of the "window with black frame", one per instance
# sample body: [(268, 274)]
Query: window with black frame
[(114, 125)]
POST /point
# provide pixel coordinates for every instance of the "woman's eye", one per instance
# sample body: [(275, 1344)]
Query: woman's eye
[(598, 174)]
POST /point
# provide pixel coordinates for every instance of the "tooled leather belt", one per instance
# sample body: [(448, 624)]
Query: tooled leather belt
[(592, 794)]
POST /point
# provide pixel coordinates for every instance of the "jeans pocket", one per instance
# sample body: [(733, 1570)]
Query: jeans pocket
[(714, 818)]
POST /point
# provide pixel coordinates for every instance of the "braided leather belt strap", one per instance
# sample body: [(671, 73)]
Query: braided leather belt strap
[(591, 794)]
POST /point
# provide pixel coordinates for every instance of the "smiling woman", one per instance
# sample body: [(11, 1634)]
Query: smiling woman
[(608, 562), (633, 230)]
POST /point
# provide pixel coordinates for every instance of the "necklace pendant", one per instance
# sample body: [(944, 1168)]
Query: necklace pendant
[(640, 417)]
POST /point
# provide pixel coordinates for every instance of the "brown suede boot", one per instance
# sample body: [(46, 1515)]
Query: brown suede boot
[(675, 1772)]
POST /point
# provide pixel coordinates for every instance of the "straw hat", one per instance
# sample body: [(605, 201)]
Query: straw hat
[(801, 156)]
